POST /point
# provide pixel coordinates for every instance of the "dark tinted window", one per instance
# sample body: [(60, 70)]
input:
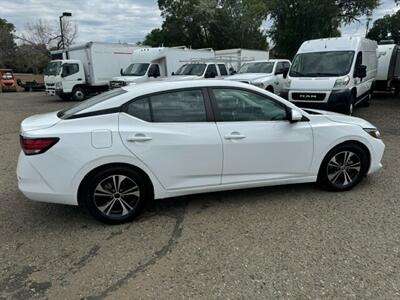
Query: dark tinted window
[(180, 106), (211, 71), (240, 105), (70, 69), (140, 109), (222, 69)]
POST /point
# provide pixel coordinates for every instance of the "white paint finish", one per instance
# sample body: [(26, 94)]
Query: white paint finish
[(101, 138), (182, 155), (185, 158), (266, 150)]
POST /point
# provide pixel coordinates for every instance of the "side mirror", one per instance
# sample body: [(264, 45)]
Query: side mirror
[(285, 73), (121, 72), (153, 72), (295, 116), (173, 73), (361, 71)]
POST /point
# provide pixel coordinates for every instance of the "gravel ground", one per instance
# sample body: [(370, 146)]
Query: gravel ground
[(287, 242)]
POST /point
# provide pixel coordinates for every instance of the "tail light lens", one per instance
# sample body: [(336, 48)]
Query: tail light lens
[(32, 146)]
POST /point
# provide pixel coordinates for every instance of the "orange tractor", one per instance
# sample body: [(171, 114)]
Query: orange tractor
[(7, 81)]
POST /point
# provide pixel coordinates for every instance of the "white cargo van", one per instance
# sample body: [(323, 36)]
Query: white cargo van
[(270, 75), (85, 69), (388, 78), (151, 63), (333, 74)]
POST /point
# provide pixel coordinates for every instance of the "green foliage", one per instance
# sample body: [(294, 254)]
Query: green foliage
[(210, 23), (295, 21), (7, 44), (387, 27)]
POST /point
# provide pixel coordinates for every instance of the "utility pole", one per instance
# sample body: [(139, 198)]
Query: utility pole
[(65, 14)]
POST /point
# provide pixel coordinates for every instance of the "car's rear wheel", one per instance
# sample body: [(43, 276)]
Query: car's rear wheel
[(343, 167), (116, 195)]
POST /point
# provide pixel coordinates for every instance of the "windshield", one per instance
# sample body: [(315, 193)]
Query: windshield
[(191, 69), (66, 113), (260, 67), (53, 68), (322, 64), (136, 70), (7, 75)]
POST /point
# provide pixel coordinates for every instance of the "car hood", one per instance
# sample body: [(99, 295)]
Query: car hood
[(40, 121), (312, 83), (340, 118), (248, 76), (183, 77), (128, 78)]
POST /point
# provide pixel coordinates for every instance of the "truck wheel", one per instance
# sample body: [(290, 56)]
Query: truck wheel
[(78, 94), (270, 89)]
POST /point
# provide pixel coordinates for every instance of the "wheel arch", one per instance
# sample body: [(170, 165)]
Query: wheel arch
[(85, 179), (350, 141)]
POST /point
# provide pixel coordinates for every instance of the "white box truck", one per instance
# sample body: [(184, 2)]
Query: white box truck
[(333, 74), (237, 57), (80, 71), (388, 77), (155, 63)]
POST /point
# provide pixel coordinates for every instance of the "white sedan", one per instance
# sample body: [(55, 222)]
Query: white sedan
[(114, 152)]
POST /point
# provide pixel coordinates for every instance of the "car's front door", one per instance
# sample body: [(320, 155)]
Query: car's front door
[(259, 143), (170, 132)]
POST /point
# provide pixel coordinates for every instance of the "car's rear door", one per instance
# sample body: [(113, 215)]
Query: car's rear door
[(259, 143), (174, 135)]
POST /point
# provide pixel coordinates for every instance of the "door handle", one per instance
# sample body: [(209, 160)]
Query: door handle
[(234, 136), (79, 79), (140, 137)]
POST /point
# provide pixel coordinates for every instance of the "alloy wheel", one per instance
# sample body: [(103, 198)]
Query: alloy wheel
[(344, 168), (116, 196)]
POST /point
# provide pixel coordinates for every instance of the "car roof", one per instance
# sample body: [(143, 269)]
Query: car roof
[(142, 89), (267, 60)]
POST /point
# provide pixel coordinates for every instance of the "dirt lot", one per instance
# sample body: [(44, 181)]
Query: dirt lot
[(289, 242)]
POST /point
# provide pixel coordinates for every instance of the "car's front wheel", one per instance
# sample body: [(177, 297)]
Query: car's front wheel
[(343, 167), (115, 195)]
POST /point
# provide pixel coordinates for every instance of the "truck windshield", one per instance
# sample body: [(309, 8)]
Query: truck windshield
[(259, 67), (66, 113), (322, 64), (53, 68), (191, 69), (136, 70)]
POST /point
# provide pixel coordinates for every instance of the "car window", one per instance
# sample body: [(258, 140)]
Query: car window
[(140, 109), (179, 106), (222, 69), (70, 69), (279, 68), (241, 105), (211, 71)]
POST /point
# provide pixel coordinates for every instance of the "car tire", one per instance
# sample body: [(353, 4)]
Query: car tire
[(349, 106), (270, 89), (115, 195), (343, 167), (78, 94)]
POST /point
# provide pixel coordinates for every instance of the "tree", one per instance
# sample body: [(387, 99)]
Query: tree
[(7, 44), (387, 27), (209, 23), (295, 21)]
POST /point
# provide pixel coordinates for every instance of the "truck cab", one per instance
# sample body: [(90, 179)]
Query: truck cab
[(65, 78), (333, 74), (269, 75), (136, 73), (7, 81), (201, 70)]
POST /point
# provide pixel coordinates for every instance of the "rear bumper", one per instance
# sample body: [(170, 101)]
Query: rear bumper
[(35, 187), (337, 101)]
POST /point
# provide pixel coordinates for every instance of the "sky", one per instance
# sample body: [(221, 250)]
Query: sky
[(121, 20)]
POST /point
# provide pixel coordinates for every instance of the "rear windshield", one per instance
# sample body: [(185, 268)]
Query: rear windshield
[(66, 113)]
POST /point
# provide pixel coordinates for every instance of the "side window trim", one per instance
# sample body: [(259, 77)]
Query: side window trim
[(216, 111)]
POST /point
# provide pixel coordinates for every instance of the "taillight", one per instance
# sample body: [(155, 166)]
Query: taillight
[(32, 146)]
